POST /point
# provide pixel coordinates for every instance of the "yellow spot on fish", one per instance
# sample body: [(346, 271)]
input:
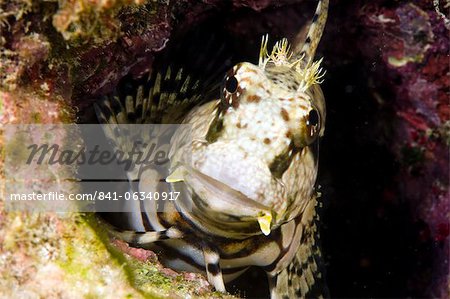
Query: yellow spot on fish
[(176, 176), (264, 223)]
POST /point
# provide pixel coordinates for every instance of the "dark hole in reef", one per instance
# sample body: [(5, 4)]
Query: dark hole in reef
[(370, 243)]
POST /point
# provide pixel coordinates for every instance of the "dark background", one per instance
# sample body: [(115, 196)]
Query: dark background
[(373, 243)]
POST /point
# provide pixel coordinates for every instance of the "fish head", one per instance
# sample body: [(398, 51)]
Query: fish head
[(254, 152)]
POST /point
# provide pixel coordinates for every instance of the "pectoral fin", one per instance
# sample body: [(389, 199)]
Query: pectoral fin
[(304, 275)]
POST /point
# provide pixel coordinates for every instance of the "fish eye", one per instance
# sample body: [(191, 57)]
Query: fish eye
[(231, 84), (313, 118), (313, 126)]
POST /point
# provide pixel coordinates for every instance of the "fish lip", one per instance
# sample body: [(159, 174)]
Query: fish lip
[(219, 208), (244, 201), (216, 205)]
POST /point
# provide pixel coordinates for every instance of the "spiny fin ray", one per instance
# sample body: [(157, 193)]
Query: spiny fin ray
[(309, 46)]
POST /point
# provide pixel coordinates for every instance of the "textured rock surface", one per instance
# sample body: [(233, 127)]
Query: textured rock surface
[(417, 64), (45, 255), (384, 159), (389, 126)]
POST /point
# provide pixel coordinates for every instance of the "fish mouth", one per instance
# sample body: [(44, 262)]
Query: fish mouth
[(219, 206)]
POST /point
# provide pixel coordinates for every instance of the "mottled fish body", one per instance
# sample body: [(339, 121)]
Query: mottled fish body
[(248, 183)]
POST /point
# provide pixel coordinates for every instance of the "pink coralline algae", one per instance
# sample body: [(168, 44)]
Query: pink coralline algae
[(138, 253)]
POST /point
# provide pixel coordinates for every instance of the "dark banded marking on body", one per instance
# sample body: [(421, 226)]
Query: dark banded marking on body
[(244, 252), (303, 277), (150, 217), (213, 270), (145, 220), (270, 268), (144, 238), (282, 162), (173, 253)]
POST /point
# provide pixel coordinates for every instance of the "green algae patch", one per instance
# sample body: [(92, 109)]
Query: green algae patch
[(49, 255), (148, 275), (14, 149), (147, 278), (85, 258), (158, 282)]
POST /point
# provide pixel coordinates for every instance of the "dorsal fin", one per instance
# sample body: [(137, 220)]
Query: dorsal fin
[(164, 99), (309, 46), (152, 102), (187, 74)]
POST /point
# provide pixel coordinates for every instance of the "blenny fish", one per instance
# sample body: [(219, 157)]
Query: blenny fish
[(249, 196)]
